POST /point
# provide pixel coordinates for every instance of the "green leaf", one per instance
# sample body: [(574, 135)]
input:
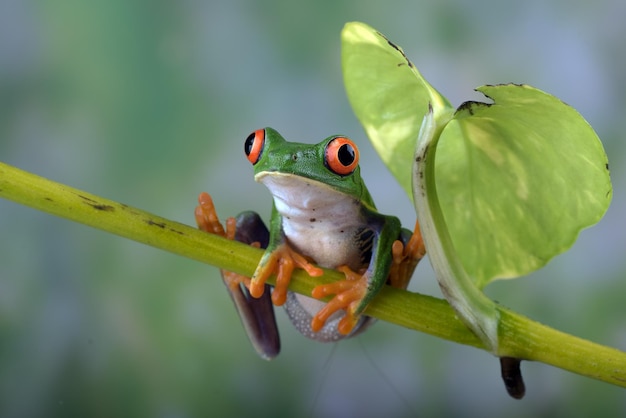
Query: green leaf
[(500, 188), (517, 180), (388, 95)]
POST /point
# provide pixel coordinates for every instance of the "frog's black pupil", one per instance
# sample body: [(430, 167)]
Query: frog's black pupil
[(247, 146), (346, 154)]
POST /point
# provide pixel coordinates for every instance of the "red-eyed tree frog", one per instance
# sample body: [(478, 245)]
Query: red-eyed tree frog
[(322, 214)]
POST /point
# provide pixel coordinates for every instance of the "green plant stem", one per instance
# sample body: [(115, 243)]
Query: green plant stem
[(519, 336)]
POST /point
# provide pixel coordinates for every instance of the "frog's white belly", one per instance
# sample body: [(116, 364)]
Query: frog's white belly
[(325, 225), (318, 221)]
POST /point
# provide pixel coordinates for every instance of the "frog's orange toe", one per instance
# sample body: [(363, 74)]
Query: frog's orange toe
[(348, 296), (206, 216), (283, 278), (256, 288), (347, 323), (405, 258)]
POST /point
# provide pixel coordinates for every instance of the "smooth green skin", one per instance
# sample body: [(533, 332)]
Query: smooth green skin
[(515, 181), (279, 155)]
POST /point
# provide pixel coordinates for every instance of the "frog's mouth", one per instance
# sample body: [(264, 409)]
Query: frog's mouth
[(287, 180), (297, 191)]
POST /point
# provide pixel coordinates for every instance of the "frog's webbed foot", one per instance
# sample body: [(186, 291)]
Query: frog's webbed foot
[(349, 293), (282, 261), (405, 258), (348, 296)]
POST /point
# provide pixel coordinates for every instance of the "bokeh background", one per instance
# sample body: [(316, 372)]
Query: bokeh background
[(148, 103)]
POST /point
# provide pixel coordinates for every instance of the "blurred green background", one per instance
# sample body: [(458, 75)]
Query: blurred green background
[(148, 103)]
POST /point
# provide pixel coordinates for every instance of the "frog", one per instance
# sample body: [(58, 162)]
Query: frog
[(323, 216)]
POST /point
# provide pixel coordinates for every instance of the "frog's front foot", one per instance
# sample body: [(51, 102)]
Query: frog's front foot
[(282, 261), (348, 296)]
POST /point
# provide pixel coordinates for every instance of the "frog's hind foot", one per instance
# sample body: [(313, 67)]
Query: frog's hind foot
[(257, 315), (207, 220), (405, 256), (349, 294)]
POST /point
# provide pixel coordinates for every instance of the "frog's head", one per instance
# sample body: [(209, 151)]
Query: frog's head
[(334, 162)]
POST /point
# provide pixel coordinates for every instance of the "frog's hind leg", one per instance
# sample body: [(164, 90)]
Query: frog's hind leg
[(302, 309), (256, 314)]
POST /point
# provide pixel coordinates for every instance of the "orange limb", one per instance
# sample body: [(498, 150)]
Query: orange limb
[(348, 295), (208, 221), (281, 261), (405, 258)]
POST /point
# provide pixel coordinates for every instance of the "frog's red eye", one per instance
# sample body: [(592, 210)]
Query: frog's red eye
[(253, 146), (341, 156)]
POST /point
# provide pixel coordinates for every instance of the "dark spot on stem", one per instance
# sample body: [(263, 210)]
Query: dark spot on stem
[(88, 199), (159, 224), (99, 206), (95, 204)]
